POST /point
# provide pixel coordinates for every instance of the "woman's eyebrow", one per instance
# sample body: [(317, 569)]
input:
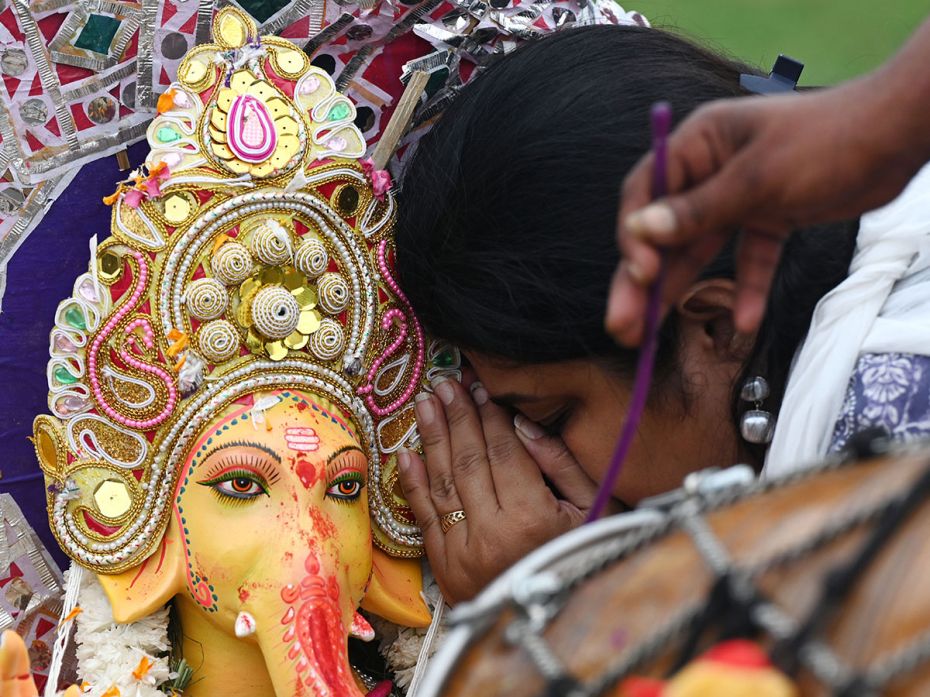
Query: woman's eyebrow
[(245, 444), (510, 399)]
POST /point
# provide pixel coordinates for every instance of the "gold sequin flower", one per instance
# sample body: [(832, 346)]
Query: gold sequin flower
[(277, 308)]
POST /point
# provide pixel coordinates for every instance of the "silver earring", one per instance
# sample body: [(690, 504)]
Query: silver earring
[(756, 425)]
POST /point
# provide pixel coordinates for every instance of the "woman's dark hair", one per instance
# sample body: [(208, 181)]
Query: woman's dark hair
[(506, 228)]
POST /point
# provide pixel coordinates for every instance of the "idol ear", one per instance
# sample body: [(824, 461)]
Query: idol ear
[(395, 591), (140, 591)]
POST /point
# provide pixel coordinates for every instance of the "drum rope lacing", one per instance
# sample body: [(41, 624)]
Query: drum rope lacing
[(540, 597)]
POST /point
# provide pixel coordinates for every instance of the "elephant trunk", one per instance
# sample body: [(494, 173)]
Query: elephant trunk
[(306, 645)]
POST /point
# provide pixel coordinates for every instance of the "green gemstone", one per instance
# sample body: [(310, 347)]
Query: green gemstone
[(444, 359), (339, 111), (97, 35), (262, 10), (167, 135), (64, 376), (75, 318)]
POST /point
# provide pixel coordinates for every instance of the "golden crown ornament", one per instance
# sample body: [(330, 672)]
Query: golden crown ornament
[(253, 251)]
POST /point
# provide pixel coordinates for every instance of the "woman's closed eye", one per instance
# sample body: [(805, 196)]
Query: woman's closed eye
[(555, 423)]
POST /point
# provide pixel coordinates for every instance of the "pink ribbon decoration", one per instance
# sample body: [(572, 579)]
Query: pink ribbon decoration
[(381, 181), (148, 187)]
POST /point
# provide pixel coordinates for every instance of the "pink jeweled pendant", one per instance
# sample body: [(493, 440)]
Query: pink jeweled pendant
[(63, 344), (88, 290), (251, 132)]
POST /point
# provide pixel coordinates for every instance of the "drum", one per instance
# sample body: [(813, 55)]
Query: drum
[(828, 570)]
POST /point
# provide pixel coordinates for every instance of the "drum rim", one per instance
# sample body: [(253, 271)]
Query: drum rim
[(501, 589)]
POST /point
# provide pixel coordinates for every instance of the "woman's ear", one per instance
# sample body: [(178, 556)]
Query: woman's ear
[(140, 591), (706, 311)]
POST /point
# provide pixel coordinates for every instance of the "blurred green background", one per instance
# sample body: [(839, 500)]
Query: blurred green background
[(836, 39)]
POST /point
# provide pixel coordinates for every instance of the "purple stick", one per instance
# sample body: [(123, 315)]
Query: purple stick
[(661, 126)]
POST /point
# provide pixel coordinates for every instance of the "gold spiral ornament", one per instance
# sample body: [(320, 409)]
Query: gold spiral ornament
[(311, 258), (328, 342), (275, 312), (333, 293), (207, 298), (271, 243), (232, 263), (218, 341)]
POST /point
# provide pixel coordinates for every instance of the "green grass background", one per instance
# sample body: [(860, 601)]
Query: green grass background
[(836, 39)]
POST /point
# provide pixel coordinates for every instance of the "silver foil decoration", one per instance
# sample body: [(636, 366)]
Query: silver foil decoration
[(49, 79), (145, 96), (31, 590), (81, 117), (28, 576), (62, 49), (21, 210)]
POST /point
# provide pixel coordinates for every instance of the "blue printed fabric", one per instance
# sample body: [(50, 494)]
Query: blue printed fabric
[(889, 390)]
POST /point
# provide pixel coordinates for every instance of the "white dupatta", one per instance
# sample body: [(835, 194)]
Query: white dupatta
[(883, 306)]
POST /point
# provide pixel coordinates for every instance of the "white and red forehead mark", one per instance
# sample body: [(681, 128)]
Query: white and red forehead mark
[(320, 412), (302, 439)]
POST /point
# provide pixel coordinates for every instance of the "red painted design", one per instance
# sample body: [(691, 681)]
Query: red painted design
[(314, 623), (361, 629), (302, 439), (306, 472), (98, 527), (323, 526)]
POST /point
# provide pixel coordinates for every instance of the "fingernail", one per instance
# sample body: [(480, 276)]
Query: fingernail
[(527, 428), (444, 390), (403, 460), (479, 394), (634, 271), (425, 411), (654, 219)]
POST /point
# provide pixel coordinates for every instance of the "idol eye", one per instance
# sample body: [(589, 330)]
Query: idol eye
[(237, 484), (346, 487)]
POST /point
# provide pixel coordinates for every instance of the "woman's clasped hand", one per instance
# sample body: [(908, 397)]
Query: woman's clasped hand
[(481, 489)]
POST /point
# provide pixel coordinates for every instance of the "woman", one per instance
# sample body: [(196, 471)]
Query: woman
[(506, 247)]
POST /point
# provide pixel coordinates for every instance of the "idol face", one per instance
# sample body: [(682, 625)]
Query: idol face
[(269, 553), (275, 534)]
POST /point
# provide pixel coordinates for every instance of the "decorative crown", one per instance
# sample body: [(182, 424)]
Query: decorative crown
[(252, 254)]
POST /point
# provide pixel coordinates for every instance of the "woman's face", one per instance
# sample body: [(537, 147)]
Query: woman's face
[(685, 428)]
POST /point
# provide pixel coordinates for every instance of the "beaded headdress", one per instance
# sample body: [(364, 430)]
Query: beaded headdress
[(253, 254)]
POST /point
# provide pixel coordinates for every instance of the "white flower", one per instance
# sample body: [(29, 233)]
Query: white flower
[(108, 652)]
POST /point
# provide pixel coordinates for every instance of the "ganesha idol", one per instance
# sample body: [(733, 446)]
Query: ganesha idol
[(233, 377)]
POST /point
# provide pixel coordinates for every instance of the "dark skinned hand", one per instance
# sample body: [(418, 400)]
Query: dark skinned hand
[(481, 459), (762, 167)]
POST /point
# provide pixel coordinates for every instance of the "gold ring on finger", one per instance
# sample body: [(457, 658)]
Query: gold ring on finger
[(447, 521)]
